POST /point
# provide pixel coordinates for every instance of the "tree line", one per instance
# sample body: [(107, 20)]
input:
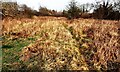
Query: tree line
[(101, 10)]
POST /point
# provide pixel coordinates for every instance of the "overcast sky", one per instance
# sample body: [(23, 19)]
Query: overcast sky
[(50, 4)]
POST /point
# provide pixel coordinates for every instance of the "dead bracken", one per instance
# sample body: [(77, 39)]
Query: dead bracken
[(59, 44)]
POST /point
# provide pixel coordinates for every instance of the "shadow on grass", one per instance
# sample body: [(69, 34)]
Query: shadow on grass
[(7, 46)]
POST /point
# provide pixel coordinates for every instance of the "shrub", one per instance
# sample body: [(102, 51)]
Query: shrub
[(44, 11), (106, 10)]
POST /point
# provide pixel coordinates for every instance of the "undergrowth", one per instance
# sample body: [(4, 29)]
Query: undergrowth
[(59, 44)]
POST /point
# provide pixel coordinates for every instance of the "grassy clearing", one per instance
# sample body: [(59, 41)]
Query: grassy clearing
[(58, 44)]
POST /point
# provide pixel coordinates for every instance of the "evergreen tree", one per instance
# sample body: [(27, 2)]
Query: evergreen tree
[(73, 10)]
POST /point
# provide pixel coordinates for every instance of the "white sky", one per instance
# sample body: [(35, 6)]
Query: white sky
[(50, 4), (58, 5)]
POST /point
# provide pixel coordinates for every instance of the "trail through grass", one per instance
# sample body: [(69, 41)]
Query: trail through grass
[(53, 44)]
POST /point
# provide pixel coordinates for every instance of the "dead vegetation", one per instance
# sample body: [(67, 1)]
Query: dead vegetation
[(61, 44)]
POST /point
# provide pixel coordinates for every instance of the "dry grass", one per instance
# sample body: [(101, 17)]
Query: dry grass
[(83, 44)]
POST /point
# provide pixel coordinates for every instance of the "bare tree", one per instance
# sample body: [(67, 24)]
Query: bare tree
[(10, 8), (117, 6), (86, 7)]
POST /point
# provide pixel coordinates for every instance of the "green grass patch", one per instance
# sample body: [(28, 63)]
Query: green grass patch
[(11, 50)]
